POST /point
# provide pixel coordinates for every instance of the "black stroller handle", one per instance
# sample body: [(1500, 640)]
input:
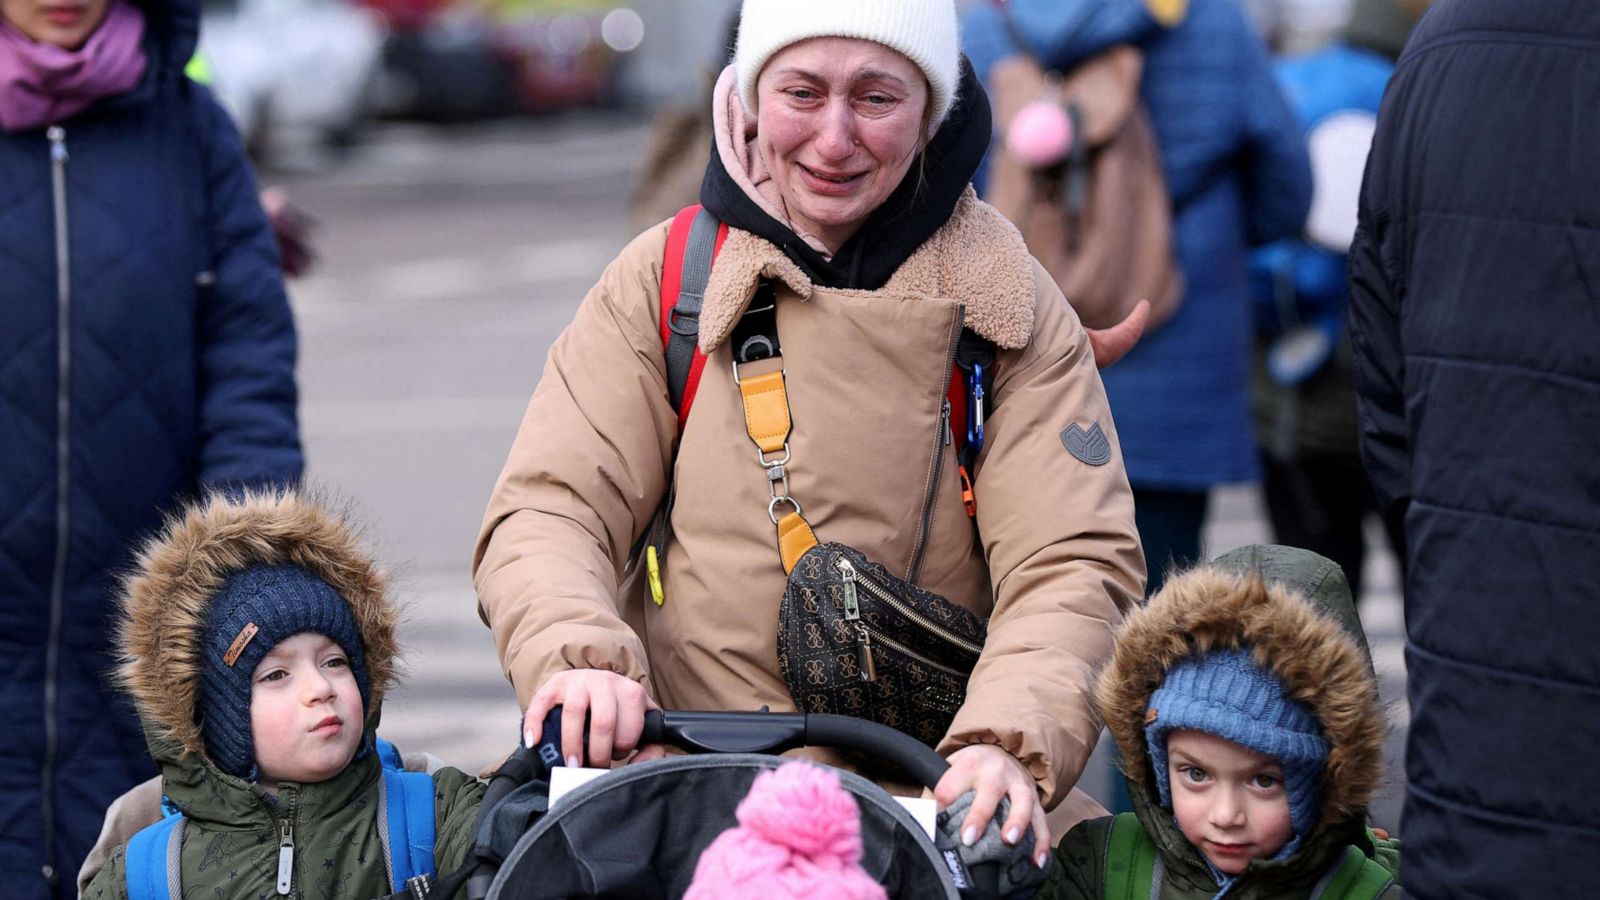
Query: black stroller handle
[(762, 732)]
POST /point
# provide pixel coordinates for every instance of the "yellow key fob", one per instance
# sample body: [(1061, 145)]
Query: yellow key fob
[(652, 567)]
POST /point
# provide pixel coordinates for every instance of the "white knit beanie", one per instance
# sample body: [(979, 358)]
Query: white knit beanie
[(924, 31)]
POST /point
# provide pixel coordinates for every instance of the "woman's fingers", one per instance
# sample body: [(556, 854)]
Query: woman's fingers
[(631, 703), (575, 706), (1023, 800), (1041, 836), (613, 704), (986, 798), (603, 706), (1112, 344), (544, 700)]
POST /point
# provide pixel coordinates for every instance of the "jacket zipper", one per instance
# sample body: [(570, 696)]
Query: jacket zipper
[(926, 523), (57, 137), (855, 578), (286, 845)]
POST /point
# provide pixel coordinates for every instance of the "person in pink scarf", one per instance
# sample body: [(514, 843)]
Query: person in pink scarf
[(147, 353)]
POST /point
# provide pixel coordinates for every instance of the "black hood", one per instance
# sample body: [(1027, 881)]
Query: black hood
[(894, 230)]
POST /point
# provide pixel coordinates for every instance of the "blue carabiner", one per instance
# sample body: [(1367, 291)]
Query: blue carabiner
[(975, 409)]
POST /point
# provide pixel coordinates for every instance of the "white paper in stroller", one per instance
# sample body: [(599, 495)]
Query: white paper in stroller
[(565, 779)]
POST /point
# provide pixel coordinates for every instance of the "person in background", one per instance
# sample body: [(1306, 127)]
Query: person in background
[(147, 353), (1238, 176), (1475, 291), (1317, 494)]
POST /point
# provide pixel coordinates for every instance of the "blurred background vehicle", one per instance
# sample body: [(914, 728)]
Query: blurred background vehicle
[(564, 53), (439, 63), (293, 70), (456, 60)]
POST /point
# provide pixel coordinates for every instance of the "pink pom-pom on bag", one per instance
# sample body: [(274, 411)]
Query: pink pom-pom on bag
[(798, 838), (1040, 134)]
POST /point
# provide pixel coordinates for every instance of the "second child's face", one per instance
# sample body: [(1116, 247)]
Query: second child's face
[(1230, 802), (305, 711)]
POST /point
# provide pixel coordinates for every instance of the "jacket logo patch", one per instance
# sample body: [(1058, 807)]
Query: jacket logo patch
[(1090, 446), (239, 643)]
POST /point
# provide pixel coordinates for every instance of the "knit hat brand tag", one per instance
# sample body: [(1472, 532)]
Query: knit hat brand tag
[(1150, 716), (239, 643)]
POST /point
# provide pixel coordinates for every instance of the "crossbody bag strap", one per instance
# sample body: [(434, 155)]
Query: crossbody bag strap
[(759, 372)]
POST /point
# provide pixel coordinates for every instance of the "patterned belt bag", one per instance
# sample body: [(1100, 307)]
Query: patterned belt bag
[(854, 640)]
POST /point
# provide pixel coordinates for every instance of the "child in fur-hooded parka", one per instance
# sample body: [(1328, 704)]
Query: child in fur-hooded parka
[(213, 617), (1261, 653)]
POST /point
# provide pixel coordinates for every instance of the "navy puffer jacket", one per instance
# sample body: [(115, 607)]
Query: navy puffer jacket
[(1475, 299), (163, 363)]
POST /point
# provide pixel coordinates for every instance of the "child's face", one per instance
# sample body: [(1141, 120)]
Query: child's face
[(1230, 802), (305, 711)]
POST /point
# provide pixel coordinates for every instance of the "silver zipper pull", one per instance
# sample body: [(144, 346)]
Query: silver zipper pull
[(949, 436), (57, 136), (864, 661), (285, 856), (852, 604)]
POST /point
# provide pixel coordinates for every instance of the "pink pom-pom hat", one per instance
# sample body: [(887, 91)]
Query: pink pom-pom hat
[(798, 838)]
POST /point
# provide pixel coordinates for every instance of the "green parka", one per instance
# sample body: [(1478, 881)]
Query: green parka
[(1301, 622), (232, 826)]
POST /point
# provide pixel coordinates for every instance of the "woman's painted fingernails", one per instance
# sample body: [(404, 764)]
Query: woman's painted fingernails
[(1014, 835), (1043, 859), (572, 762), (527, 739), (969, 837)]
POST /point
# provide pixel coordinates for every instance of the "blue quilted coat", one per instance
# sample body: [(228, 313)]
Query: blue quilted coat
[(146, 353), (1237, 171)]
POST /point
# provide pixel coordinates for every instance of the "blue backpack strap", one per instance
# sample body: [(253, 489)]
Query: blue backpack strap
[(388, 754), (152, 860), (406, 815)]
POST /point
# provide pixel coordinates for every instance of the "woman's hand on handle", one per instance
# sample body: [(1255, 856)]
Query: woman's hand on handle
[(993, 773), (615, 707)]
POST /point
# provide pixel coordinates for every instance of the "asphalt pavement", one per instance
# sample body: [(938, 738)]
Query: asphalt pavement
[(451, 257)]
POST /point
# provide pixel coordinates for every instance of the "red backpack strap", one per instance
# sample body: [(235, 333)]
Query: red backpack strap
[(693, 241)]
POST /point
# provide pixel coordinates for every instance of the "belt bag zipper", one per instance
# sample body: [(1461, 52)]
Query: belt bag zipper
[(865, 634)]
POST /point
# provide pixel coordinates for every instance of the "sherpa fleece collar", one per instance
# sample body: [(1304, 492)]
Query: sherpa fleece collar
[(978, 258)]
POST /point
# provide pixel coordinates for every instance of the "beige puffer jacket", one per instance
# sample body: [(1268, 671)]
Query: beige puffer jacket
[(1057, 565)]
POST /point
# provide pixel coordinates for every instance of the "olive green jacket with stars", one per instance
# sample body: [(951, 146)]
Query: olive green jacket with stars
[(1300, 621), (232, 826)]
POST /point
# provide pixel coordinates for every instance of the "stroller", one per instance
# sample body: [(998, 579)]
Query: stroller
[(638, 832)]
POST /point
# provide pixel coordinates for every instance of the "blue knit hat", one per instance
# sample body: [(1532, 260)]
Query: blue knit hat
[(1224, 693), (254, 611)]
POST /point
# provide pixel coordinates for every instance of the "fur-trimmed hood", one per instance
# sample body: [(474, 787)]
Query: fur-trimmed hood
[(978, 256), (179, 570), (1301, 631)]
